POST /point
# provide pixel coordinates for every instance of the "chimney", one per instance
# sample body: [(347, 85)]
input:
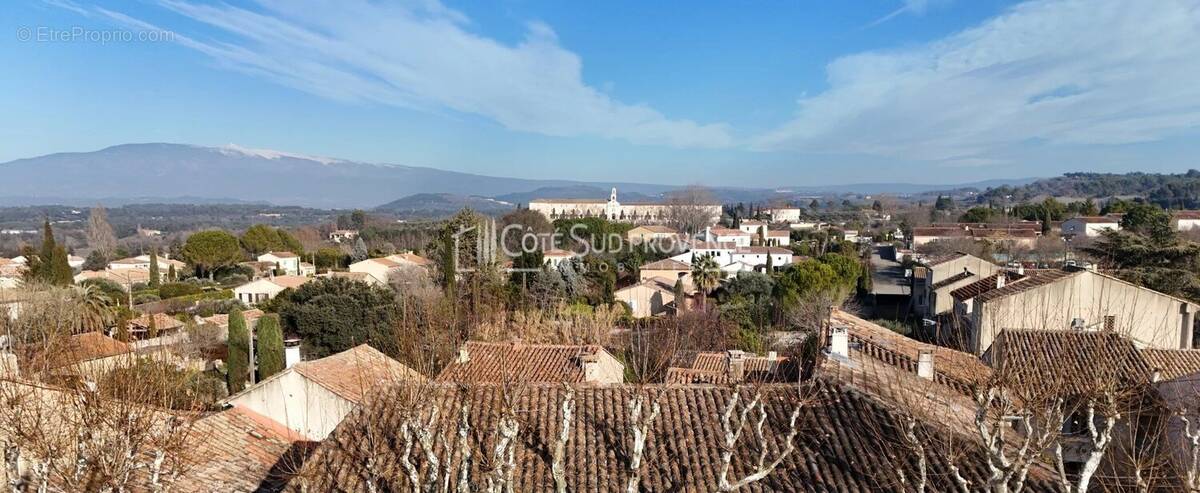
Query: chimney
[(737, 365), (772, 360), (708, 233), (591, 367), (1000, 278), (291, 352), (463, 355), (1020, 269), (839, 342), (1156, 376), (925, 364)]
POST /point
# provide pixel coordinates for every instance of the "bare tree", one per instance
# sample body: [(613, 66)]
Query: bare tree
[(640, 422), (734, 422), (100, 234), (691, 209)]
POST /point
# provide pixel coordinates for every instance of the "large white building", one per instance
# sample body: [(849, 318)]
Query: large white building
[(631, 212), (1090, 226)]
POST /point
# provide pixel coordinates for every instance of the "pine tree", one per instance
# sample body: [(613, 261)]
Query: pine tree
[(237, 362), (270, 347), (155, 280)]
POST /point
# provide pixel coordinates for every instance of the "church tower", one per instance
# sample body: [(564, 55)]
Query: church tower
[(613, 208)]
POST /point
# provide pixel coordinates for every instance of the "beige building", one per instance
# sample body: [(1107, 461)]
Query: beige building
[(630, 212), (648, 298), (668, 270), (651, 233), (1077, 299), (312, 397), (255, 292), (935, 278), (382, 268)]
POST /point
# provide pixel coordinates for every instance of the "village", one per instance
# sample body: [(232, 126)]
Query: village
[(713, 347)]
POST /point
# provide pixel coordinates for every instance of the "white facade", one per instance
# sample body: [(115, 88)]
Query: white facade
[(1187, 223), (785, 215), (255, 292), (758, 256), (1089, 227), (296, 402), (287, 261), (612, 210)]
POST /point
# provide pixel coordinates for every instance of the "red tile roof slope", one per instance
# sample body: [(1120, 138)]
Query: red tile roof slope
[(493, 362), (842, 446), (354, 372), (238, 451), (1173, 363)]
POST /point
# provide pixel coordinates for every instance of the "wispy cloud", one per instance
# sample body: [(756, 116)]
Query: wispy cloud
[(1043, 73), (420, 54), (914, 7)]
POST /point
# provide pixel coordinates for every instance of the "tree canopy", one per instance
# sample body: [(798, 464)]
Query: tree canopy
[(261, 238), (336, 314), (209, 250)]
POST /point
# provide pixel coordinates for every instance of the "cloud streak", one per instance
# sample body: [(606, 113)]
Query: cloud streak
[(1071, 72), (421, 55)]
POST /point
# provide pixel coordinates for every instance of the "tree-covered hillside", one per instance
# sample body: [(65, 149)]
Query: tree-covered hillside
[(1176, 191)]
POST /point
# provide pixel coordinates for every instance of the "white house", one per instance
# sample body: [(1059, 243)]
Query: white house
[(341, 235), (1090, 226), (75, 262), (1185, 220), (255, 292), (727, 235), (381, 268), (785, 214), (312, 397), (288, 262), (142, 262), (751, 226), (722, 253), (757, 255), (805, 224)]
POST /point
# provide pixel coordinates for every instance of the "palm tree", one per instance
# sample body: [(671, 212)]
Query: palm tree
[(706, 275), (95, 307)]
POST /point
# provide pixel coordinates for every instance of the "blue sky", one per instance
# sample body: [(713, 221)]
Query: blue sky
[(732, 93)]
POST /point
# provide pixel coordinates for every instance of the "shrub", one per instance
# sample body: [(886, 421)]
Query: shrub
[(177, 289)]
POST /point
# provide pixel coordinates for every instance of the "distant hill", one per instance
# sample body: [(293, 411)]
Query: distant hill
[(431, 205), (167, 172), (1179, 191)]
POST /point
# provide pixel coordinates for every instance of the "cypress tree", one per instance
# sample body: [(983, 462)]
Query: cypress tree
[(237, 362), (680, 296), (152, 332), (171, 276), (270, 347), (43, 270), (59, 271), (155, 280), (449, 274)]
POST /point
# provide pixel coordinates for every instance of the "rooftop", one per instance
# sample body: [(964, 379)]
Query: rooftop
[(495, 362), (352, 373)]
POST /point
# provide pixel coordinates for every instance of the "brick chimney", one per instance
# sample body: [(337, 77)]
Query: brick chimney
[(925, 364)]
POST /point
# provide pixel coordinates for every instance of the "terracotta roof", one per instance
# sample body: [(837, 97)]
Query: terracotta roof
[(1096, 219), (773, 232), (1186, 214), (728, 232), (239, 451), (955, 369), (383, 261), (713, 245), (1030, 281), (984, 285), (762, 250), (942, 231), (490, 362), (121, 276), (354, 372), (162, 322), (658, 283), (282, 254), (414, 258), (961, 276), (85, 347), (655, 228), (842, 445), (1172, 363), (667, 264), (290, 281), (713, 368), (1075, 360), (222, 319), (557, 252)]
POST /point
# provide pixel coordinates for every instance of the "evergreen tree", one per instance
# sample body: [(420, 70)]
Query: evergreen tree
[(360, 250), (770, 262), (152, 331), (270, 347), (59, 271), (680, 296), (449, 273), (171, 275), (814, 205), (237, 362), (155, 280)]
